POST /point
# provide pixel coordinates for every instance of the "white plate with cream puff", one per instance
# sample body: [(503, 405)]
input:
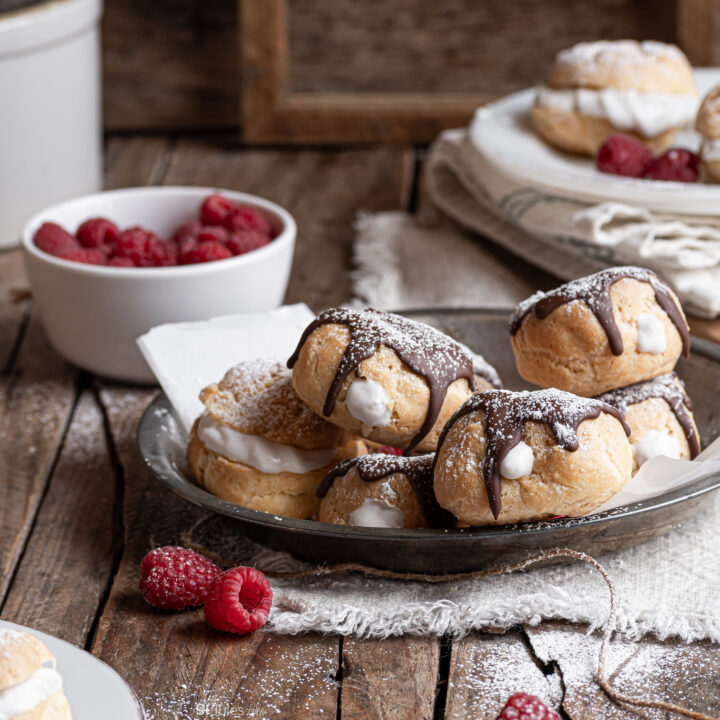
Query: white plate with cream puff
[(547, 136), (298, 451), (47, 678)]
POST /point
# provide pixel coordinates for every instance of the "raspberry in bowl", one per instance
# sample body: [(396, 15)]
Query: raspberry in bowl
[(105, 268)]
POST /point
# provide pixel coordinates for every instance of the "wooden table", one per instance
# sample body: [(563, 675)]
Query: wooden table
[(78, 509)]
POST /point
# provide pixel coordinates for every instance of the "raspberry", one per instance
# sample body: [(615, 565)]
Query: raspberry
[(244, 241), (143, 247), (52, 239), (168, 253), (522, 706), (213, 232), (189, 229), (623, 155), (184, 246), (390, 450), (246, 218), (239, 601), (675, 164), (121, 262), (215, 209), (98, 233), (205, 252), (176, 578), (88, 256)]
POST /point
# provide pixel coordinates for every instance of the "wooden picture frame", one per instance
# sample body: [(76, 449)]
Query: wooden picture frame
[(271, 113)]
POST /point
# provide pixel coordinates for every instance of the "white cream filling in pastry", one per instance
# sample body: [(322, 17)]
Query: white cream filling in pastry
[(648, 114), (656, 443), (368, 402), (375, 513), (651, 334), (518, 462), (710, 150), (25, 696), (257, 452)]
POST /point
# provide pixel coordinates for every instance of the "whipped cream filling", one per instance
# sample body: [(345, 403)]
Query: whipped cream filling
[(24, 696), (710, 149), (376, 513), (651, 334), (264, 455), (648, 114), (656, 443), (518, 462), (368, 402)]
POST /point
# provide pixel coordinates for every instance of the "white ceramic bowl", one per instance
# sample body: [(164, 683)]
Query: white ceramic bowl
[(93, 314)]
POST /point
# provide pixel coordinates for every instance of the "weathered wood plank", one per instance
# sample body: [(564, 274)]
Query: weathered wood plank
[(68, 560), (135, 160), (697, 22), (322, 189), (14, 304), (487, 669), (391, 679), (36, 399), (670, 670), (178, 665)]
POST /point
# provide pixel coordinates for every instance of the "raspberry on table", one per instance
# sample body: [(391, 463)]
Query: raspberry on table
[(52, 239), (239, 601), (143, 247), (675, 164), (87, 256), (243, 241), (215, 209), (623, 155), (98, 233), (244, 217), (522, 706), (176, 578), (205, 252)]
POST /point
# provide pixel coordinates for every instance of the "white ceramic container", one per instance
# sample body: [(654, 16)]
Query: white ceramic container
[(50, 115), (93, 314)]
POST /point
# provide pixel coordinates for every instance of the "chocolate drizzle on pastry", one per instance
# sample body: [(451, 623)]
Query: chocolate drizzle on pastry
[(418, 470), (594, 291), (507, 412), (669, 388), (426, 351)]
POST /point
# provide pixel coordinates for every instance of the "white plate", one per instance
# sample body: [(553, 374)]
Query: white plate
[(503, 134), (93, 688)]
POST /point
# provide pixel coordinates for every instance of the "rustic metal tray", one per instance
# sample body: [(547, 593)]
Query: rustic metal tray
[(162, 444)]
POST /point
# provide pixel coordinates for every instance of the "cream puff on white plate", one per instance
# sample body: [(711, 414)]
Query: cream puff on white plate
[(597, 89)]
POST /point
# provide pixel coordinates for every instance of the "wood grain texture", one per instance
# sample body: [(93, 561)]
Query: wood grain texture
[(14, 304), (170, 64), (68, 560), (322, 189), (36, 399), (486, 669), (670, 670), (135, 160), (179, 667), (391, 679), (697, 24)]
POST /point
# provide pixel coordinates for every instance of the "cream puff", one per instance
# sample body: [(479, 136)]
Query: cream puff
[(381, 376), (30, 686), (258, 445), (659, 415), (509, 457), (707, 124), (596, 89), (615, 328), (382, 490)]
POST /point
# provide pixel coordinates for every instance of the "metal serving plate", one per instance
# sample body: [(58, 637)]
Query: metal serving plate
[(162, 445)]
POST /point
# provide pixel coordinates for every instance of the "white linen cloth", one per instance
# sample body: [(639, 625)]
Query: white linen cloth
[(569, 238)]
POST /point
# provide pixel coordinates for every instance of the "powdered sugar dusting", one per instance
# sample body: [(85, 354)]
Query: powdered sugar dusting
[(8, 639), (257, 397)]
